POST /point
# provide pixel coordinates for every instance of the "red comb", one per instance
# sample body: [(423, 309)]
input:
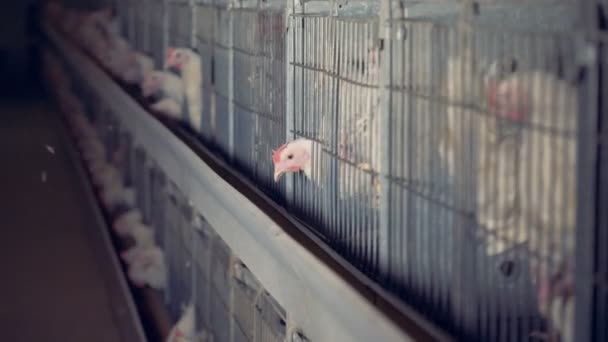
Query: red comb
[(276, 155)]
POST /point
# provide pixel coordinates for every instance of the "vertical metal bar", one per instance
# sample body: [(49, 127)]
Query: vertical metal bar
[(165, 30), (232, 305), (193, 24), (231, 119), (587, 177), (290, 92), (600, 331), (145, 12), (465, 192), (385, 116)]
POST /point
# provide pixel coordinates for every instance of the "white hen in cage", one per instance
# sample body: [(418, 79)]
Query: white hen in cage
[(358, 149), (358, 122), (522, 126), (188, 64), (546, 108)]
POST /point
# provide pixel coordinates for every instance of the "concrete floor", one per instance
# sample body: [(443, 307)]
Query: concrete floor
[(58, 282)]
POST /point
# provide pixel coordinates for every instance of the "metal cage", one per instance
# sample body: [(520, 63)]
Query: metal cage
[(205, 16), (455, 157)]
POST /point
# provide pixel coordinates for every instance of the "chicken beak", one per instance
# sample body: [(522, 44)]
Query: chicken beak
[(277, 174)]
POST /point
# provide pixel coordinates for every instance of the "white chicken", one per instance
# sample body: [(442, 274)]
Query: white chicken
[(166, 91), (106, 175), (123, 223), (92, 149), (145, 65), (148, 267), (185, 329), (116, 194), (143, 240), (168, 107), (358, 145), (142, 235), (121, 60), (546, 110), (523, 125), (91, 37), (359, 135), (188, 64), (467, 92), (294, 156), (162, 84)]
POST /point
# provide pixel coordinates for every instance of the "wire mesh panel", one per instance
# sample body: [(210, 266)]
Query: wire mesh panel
[(142, 12), (148, 207), (112, 140), (222, 71), (132, 15), (483, 107), (220, 291), (180, 23), (335, 108), (158, 203), (126, 156), (232, 305), (122, 11), (139, 169), (205, 14), (270, 324), (202, 264), (156, 21), (244, 73), (178, 251), (91, 102), (446, 142), (259, 96), (598, 298), (247, 292)]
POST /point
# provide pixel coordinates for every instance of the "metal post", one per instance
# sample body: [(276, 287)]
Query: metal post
[(386, 58), (231, 121), (193, 22), (292, 7), (588, 179), (463, 293), (166, 30)]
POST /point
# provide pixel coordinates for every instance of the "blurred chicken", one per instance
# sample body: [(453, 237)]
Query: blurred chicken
[(188, 65), (126, 220), (359, 134), (544, 110), (166, 92), (121, 60), (294, 156), (359, 144), (148, 267), (112, 192), (162, 84), (106, 175), (92, 149), (117, 195), (467, 90), (185, 329), (168, 107), (142, 237), (145, 64)]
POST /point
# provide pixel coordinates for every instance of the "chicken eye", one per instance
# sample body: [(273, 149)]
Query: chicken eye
[(290, 156)]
